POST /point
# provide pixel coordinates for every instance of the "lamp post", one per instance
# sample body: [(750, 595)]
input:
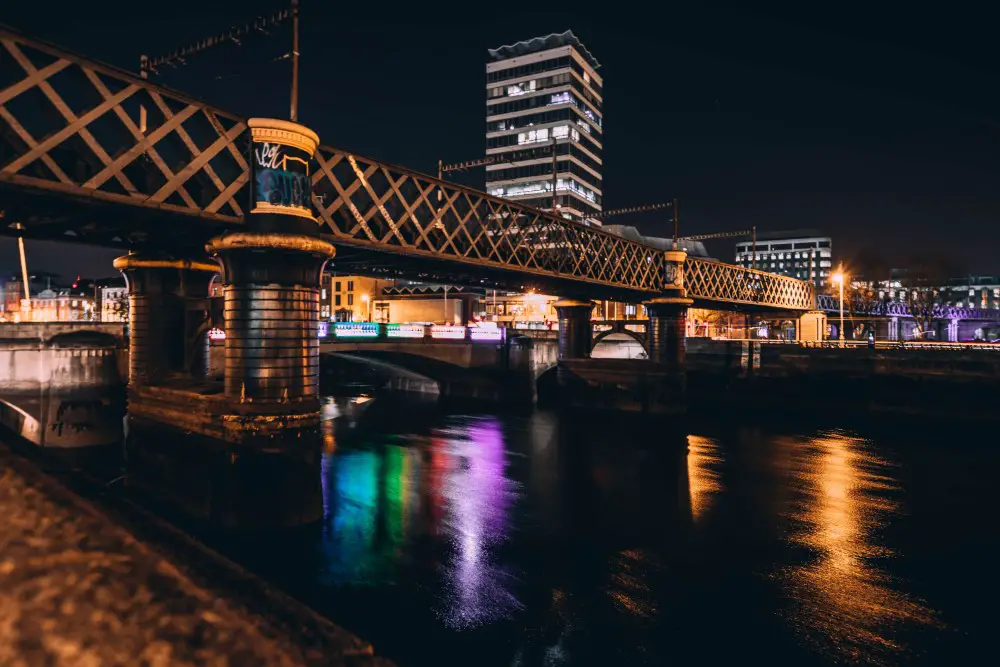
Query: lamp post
[(838, 278)]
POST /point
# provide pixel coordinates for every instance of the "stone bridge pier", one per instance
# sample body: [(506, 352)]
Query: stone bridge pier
[(656, 385), (168, 316), (251, 448)]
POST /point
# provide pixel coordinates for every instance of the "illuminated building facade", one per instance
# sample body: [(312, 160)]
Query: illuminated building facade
[(806, 256), (435, 304), (349, 298), (541, 91), (51, 306), (114, 304)]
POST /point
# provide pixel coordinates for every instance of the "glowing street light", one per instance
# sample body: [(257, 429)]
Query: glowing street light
[(838, 278), (365, 299)]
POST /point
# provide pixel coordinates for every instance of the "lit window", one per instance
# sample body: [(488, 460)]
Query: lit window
[(560, 98), (322, 293), (533, 136)]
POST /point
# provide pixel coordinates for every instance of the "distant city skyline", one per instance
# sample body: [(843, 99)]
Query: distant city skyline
[(869, 131)]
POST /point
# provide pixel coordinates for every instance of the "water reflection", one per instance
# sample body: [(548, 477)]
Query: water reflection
[(703, 481), (547, 540), (452, 485), (477, 497), (845, 604)]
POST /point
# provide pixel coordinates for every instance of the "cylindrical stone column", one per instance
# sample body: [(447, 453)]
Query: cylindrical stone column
[(160, 289), (271, 314), (667, 331), (575, 330), (668, 315)]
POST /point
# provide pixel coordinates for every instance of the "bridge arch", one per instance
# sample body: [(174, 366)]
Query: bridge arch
[(620, 334)]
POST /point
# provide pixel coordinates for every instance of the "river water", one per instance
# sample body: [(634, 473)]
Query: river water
[(468, 538)]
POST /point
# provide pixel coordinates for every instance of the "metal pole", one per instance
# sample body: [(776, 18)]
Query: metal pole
[(440, 176), (446, 319), (753, 260), (295, 61), (841, 329), (812, 258), (673, 205), (24, 271)]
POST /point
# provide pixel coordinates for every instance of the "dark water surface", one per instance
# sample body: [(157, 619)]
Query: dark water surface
[(548, 539)]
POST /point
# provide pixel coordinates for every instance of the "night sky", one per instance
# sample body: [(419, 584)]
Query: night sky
[(876, 126)]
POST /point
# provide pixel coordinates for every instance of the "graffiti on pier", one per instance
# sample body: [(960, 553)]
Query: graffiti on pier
[(281, 177)]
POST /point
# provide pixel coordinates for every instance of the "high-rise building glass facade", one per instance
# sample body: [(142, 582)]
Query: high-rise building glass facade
[(541, 94)]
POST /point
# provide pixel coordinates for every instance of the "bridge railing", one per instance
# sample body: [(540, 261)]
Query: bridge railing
[(831, 304), (74, 126), (383, 206), (707, 280)]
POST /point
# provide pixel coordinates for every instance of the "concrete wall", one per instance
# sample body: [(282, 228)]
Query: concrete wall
[(45, 331), (925, 382), (460, 353), (61, 384)]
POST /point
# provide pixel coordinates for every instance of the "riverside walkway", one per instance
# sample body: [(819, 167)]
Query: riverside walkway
[(77, 588)]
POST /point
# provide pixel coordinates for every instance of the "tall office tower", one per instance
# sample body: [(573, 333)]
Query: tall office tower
[(541, 94)]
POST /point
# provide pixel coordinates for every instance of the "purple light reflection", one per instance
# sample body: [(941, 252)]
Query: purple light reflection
[(478, 497)]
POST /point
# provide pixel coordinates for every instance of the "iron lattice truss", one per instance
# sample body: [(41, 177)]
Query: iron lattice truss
[(80, 130), (367, 203), (77, 128), (831, 304), (709, 282)]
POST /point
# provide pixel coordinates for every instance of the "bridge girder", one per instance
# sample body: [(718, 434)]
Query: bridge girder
[(92, 153)]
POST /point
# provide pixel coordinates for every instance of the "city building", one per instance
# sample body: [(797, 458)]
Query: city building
[(349, 298), (982, 292), (974, 292), (11, 291), (544, 93), (57, 306), (435, 304), (805, 255), (114, 304)]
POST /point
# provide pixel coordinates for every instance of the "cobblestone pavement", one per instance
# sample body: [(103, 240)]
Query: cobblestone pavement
[(78, 589)]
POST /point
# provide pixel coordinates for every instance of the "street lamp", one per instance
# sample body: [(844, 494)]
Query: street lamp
[(838, 278)]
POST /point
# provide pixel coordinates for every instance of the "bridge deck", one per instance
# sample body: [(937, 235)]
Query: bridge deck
[(73, 130)]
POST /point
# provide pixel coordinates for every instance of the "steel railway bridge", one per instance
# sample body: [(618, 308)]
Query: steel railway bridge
[(92, 153)]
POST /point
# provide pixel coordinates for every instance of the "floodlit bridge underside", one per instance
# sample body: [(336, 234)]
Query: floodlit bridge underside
[(94, 154)]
